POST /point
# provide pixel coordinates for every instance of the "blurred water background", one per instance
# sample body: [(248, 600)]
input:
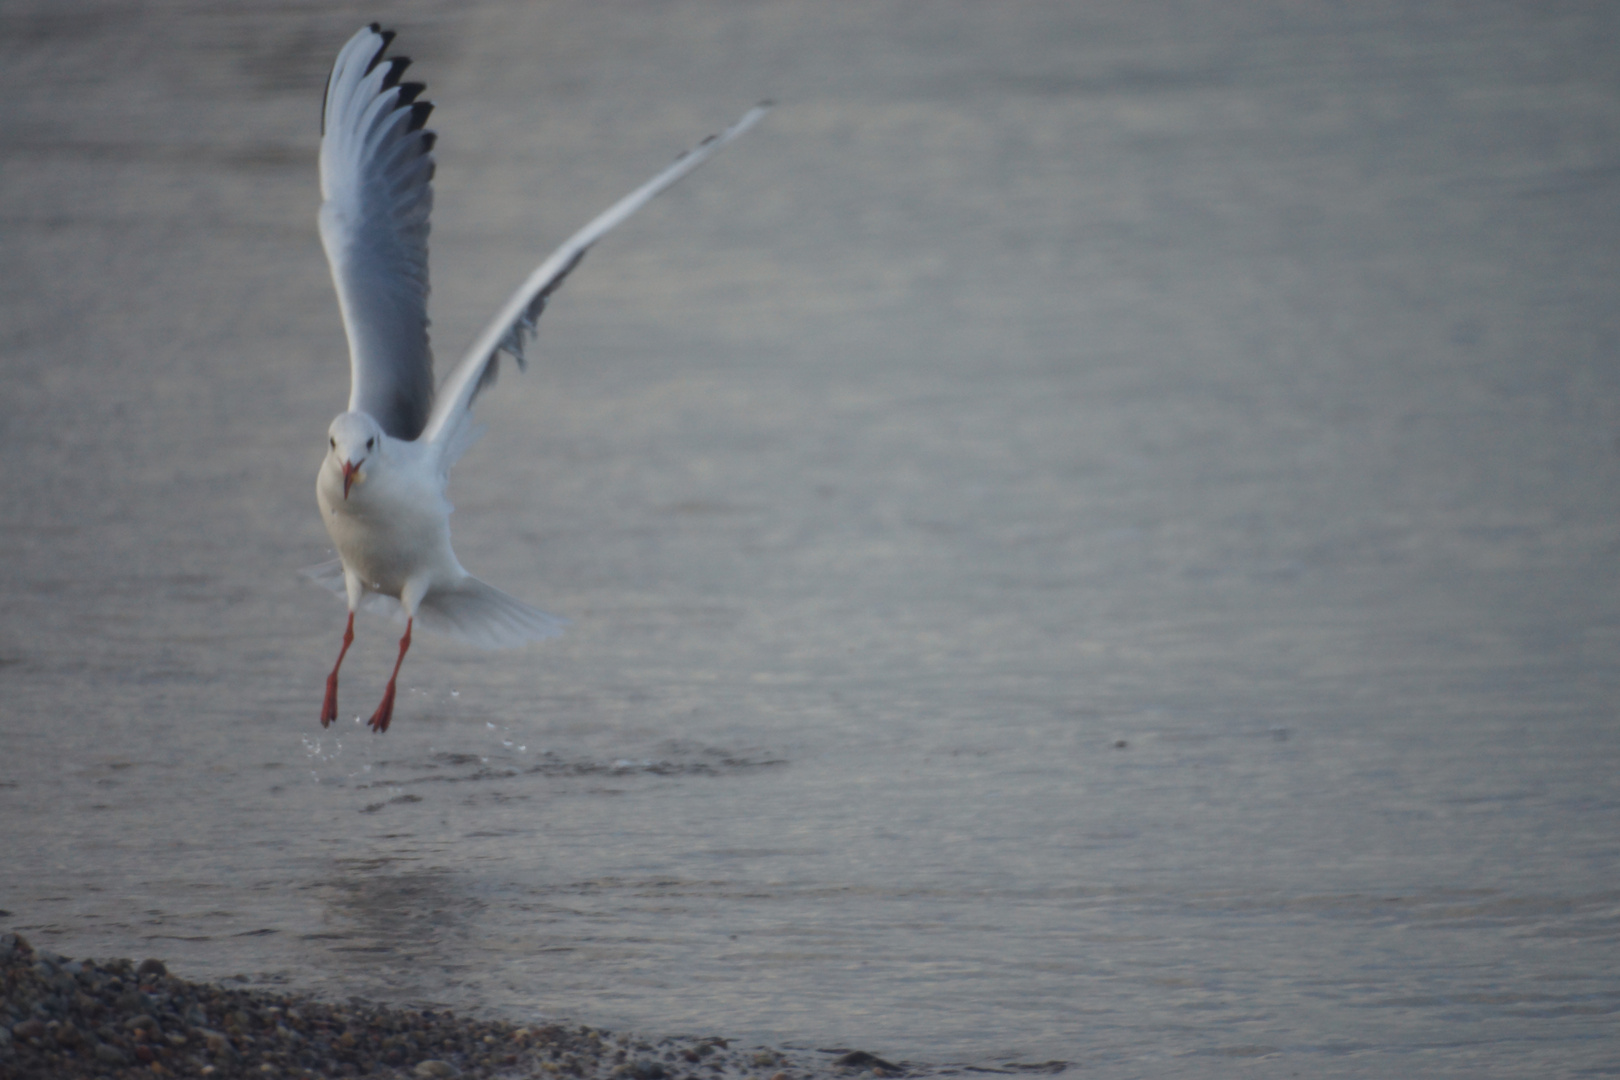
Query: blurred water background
[(1090, 535)]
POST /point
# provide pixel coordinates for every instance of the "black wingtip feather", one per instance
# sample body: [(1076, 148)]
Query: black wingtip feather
[(420, 111), (396, 68), (387, 38), (428, 139), (408, 92)]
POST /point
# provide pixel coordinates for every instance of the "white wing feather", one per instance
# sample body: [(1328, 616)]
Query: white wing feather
[(516, 318), (376, 180)]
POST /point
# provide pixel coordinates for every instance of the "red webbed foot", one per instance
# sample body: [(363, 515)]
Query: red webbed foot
[(329, 706), (385, 711)]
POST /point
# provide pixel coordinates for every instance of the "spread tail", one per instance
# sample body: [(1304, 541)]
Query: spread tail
[(482, 615), (468, 611)]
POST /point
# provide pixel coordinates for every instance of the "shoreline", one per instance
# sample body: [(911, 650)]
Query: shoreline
[(68, 1018)]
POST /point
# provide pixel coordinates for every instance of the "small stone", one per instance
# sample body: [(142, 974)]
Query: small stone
[(219, 1044), (860, 1059), (110, 1055), (31, 1028), (151, 969), (433, 1067)]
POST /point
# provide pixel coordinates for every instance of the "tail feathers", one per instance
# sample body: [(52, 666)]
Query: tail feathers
[(479, 614), (469, 611)]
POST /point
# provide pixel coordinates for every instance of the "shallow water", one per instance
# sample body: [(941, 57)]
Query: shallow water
[(1090, 535)]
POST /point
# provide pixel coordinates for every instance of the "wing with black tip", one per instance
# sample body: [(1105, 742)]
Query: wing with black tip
[(376, 183)]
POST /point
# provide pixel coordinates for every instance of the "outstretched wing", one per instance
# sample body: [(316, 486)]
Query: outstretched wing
[(507, 331), (376, 180)]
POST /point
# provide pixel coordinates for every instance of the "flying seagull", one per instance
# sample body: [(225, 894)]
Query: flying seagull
[(381, 487)]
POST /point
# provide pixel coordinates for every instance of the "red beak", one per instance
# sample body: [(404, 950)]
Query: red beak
[(349, 469)]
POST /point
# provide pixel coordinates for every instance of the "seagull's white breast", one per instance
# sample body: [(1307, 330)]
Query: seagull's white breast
[(395, 524)]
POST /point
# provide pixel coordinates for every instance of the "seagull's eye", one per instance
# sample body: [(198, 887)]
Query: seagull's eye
[(333, 441), (369, 443)]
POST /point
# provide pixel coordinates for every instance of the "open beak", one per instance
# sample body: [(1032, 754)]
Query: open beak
[(350, 469)]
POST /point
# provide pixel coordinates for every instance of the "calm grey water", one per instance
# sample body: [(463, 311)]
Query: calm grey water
[(1090, 535)]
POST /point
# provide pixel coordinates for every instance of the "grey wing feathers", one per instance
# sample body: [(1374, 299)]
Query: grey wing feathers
[(516, 319), (376, 182)]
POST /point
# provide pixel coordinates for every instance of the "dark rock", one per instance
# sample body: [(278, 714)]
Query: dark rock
[(110, 1055), (860, 1059)]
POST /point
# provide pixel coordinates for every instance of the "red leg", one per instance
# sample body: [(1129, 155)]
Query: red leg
[(329, 708), (385, 711)]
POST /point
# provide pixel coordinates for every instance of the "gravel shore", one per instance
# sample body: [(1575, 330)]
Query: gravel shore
[(68, 1018)]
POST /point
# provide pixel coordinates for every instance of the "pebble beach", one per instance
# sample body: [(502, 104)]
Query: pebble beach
[(71, 1018)]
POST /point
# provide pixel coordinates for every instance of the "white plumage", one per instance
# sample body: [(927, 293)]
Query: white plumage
[(381, 486)]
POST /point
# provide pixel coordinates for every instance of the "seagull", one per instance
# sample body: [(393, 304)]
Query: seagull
[(381, 485)]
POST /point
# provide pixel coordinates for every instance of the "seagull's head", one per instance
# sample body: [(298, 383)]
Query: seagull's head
[(353, 439)]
